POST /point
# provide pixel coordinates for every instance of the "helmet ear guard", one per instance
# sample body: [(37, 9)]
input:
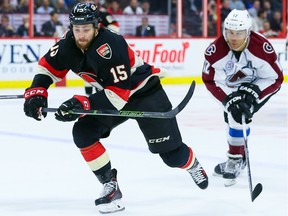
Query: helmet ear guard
[(84, 13)]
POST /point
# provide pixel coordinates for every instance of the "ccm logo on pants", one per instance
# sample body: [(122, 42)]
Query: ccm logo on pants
[(159, 140)]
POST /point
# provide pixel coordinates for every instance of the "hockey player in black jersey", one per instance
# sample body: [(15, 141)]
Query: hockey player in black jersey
[(104, 59), (107, 20)]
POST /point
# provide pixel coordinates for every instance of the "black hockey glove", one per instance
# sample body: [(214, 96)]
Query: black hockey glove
[(236, 105), (35, 98), (77, 102), (250, 93)]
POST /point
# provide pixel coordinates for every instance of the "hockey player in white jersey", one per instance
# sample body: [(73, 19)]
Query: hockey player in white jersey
[(242, 72)]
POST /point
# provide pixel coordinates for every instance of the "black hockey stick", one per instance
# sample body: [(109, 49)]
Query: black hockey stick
[(11, 96), (134, 114), (25, 56), (258, 188)]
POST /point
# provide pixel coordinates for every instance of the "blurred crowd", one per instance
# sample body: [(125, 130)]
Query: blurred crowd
[(266, 14)]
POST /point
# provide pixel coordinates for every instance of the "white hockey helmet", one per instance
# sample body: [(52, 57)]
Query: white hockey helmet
[(238, 20)]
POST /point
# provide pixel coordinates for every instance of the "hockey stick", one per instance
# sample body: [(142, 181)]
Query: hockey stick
[(11, 96), (258, 188), (134, 114)]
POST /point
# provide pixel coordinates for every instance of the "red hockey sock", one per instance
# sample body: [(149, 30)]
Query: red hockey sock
[(95, 155)]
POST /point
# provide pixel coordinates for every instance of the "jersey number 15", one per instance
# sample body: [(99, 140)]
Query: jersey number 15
[(119, 73)]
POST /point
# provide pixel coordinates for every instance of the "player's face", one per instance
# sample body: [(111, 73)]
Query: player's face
[(84, 35), (236, 39)]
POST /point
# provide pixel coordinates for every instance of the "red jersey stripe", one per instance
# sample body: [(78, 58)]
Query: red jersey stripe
[(57, 73), (122, 93), (131, 55)]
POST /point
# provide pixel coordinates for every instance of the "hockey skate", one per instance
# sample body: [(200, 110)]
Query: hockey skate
[(199, 175), (230, 169), (110, 198)]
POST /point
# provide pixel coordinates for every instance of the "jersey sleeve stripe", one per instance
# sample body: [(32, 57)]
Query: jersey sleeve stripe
[(58, 73)]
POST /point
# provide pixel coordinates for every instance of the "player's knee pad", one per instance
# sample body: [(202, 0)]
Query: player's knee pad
[(177, 157), (84, 134)]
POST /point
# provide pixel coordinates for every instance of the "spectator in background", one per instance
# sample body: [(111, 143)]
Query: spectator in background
[(237, 4), (145, 5), (276, 21), (133, 8), (114, 8), (45, 7), (61, 7), (6, 30), (257, 23), (145, 30), (13, 3), (267, 31), (173, 16), (253, 11), (37, 3), (6, 7), (193, 6), (212, 18), (23, 7), (23, 29), (50, 27), (173, 30), (225, 9), (267, 8)]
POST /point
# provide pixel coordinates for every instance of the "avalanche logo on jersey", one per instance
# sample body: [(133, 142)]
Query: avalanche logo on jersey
[(105, 51), (245, 75), (210, 50)]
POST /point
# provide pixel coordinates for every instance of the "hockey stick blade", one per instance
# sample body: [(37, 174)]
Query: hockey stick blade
[(256, 192), (134, 114), (258, 189), (11, 96)]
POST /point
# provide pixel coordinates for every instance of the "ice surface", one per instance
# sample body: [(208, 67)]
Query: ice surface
[(43, 173)]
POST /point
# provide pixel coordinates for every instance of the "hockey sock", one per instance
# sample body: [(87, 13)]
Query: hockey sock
[(236, 150), (96, 157), (190, 160), (177, 157)]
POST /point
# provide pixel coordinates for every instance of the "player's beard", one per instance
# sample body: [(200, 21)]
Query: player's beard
[(83, 44)]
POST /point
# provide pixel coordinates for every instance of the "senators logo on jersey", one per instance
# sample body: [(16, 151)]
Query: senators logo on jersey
[(105, 51)]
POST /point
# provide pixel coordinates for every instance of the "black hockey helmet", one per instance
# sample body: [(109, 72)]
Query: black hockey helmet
[(84, 13)]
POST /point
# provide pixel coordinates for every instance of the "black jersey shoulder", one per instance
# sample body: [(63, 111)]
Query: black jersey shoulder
[(114, 40), (69, 54)]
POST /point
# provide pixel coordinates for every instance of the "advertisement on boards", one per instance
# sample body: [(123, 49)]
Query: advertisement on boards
[(181, 57), (18, 58)]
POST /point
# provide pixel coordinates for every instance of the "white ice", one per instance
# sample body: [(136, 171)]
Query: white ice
[(43, 174)]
